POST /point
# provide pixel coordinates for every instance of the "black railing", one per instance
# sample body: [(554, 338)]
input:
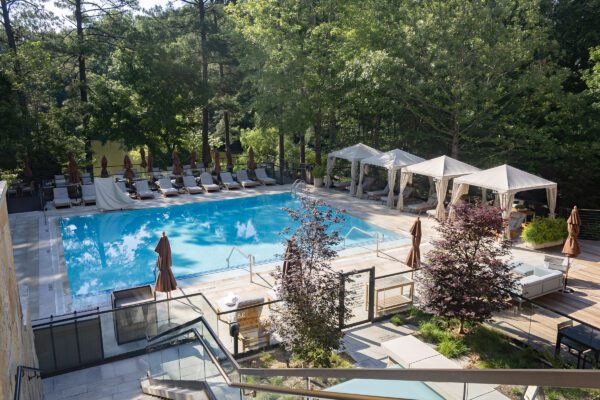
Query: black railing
[(22, 370)]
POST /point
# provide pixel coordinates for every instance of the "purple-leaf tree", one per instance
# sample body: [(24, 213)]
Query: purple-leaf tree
[(468, 274), (308, 318)]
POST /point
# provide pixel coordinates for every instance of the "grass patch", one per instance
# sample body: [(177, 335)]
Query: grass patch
[(494, 350)]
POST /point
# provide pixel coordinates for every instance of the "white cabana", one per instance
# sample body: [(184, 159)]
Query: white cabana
[(393, 161), (506, 181), (353, 154), (441, 169)]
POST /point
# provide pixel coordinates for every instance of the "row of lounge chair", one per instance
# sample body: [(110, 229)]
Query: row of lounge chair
[(206, 183), (191, 185)]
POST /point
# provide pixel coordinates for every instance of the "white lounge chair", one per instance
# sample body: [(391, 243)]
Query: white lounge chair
[(207, 183), (122, 187), (166, 188), (262, 177), (366, 184), (190, 185), (418, 208), (86, 178), (143, 190), (375, 194), (228, 181), (88, 194), (61, 197), (407, 192), (242, 178)]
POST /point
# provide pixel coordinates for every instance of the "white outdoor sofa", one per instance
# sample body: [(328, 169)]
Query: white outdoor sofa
[(538, 281)]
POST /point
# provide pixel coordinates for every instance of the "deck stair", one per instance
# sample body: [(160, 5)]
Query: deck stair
[(195, 390)]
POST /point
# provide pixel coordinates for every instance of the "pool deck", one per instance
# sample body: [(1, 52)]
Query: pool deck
[(41, 269)]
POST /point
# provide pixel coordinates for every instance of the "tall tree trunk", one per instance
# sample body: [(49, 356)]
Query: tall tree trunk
[(302, 148), (455, 145), (227, 134), (12, 45), (318, 131), (281, 155), (83, 87), (205, 144)]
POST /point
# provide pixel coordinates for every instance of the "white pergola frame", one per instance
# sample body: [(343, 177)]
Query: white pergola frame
[(507, 181), (441, 169), (354, 154)]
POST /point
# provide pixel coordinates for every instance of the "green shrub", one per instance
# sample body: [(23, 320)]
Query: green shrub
[(397, 320), (318, 171), (432, 332), (544, 230), (452, 347)]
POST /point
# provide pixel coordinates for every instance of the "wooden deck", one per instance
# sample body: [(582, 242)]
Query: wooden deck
[(537, 326)]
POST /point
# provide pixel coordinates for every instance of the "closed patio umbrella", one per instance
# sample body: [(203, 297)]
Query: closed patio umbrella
[(143, 163), (104, 171), (193, 156), (217, 168), (27, 172), (177, 170), (127, 165), (165, 282), (291, 261), (229, 159), (150, 164), (571, 247), (73, 171), (251, 162), (413, 259)]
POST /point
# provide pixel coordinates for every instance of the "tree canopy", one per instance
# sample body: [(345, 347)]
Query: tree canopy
[(487, 82)]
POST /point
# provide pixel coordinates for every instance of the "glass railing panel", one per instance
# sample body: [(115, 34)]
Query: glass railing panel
[(80, 339), (180, 358)]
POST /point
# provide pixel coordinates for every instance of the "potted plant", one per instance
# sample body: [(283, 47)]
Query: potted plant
[(545, 232), (318, 173)]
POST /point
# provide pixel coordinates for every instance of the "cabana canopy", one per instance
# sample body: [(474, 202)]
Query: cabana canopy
[(507, 181), (393, 161), (353, 154), (441, 169)]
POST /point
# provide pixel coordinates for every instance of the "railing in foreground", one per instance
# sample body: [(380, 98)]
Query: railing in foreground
[(24, 371), (204, 352)]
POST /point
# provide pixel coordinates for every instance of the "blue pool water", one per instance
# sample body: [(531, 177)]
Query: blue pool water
[(387, 388), (115, 250)]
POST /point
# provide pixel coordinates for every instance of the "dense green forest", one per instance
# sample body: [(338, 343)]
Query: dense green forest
[(487, 82)]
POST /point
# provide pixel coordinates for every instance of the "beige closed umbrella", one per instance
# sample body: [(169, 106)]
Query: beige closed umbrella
[(251, 162), (73, 171), (143, 162), (413, 259), (127, 168), (571, 247), (165, 281), (217, 168), (177, 170), (193, 156), (104, 170)]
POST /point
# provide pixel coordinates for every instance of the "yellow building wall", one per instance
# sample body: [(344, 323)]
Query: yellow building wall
[(115, 153)]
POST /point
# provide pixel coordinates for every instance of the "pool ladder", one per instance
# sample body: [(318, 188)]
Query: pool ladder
[(250, 258), (379, 237), (299, 186)]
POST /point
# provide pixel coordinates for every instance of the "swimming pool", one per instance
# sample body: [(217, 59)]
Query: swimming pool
[(115, 250)]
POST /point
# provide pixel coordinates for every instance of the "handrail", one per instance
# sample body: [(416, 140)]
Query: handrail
[(250, 258), (539, 377), (20, 372), (377, 235), (298, 184)]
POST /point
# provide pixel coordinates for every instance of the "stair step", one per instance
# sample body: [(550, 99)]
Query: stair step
[(170, 392)]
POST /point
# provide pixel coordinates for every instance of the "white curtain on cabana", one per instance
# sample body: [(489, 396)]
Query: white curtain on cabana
[(441, 187), (359, 189), (329, 171), (392, 184), (458, 191), (506, 204), (405, 179), (551, 194), (353, 171)]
